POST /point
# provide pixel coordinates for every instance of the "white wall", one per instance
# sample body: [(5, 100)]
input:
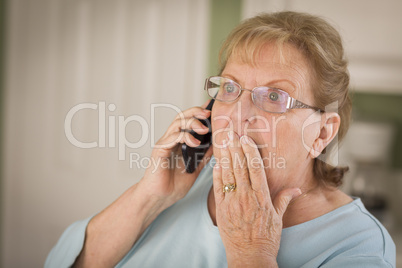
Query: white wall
[(61, 53)]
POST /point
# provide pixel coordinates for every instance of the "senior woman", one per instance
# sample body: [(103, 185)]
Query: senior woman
[(270, 200)]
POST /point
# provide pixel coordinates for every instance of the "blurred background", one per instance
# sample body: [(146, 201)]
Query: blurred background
[(116, 58)]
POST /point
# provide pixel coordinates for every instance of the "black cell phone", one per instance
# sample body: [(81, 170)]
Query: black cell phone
[(192, 156)]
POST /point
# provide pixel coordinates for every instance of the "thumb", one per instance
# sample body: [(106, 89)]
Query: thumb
[(283, 199)]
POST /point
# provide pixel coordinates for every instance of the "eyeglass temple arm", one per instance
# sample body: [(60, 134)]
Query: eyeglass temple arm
[(295, 104)]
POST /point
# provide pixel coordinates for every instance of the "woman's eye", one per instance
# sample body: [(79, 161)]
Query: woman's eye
[(229, 88), (273, 96)]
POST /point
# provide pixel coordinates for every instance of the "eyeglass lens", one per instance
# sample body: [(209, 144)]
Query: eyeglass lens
[(266, 98)]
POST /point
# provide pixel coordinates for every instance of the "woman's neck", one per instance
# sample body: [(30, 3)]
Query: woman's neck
[(319, 201)]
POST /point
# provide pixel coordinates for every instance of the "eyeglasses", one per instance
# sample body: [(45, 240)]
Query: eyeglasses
[(269, 99)]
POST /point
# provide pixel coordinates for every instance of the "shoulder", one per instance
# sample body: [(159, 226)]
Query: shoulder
[(69, 246), (366, 237), (348, 233)]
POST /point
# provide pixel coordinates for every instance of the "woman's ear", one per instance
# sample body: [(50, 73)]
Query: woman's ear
[(330, 123)]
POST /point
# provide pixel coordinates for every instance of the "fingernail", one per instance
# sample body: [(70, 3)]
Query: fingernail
[(244, 139)]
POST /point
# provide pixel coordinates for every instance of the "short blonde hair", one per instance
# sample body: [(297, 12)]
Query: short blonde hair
[(322, 46)]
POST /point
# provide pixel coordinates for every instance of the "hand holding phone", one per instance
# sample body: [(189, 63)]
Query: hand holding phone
[(193, 155)]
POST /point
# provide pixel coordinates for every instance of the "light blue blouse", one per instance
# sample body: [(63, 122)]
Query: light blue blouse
[(184, 236)]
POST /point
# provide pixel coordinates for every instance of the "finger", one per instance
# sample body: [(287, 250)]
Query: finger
[(188, 123), (183, 126), (189, 139), (197, 126), (175, 134), (239, 163), (217, 183), (193, 112), (169, 142), (283, 199), (258, 178), (225, 162), (181, 119)]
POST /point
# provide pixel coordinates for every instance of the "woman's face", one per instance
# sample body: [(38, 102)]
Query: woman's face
[(282, 138)]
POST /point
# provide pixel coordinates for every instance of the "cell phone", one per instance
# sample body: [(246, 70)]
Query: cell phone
[(192, 156)]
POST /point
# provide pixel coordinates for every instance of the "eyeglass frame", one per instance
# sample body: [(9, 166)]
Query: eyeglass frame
[(292, 103)]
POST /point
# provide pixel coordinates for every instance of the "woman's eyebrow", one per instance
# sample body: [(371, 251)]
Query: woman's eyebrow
[(230, 77), (270, 83)]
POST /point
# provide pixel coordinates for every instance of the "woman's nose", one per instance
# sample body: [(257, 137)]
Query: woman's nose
[(244, 108)]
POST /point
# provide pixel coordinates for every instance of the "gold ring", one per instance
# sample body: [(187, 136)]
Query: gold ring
[(230, 187)]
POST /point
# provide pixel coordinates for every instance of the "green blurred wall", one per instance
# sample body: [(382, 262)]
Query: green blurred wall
[(2, 57), (224, 16), (381, 108)]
